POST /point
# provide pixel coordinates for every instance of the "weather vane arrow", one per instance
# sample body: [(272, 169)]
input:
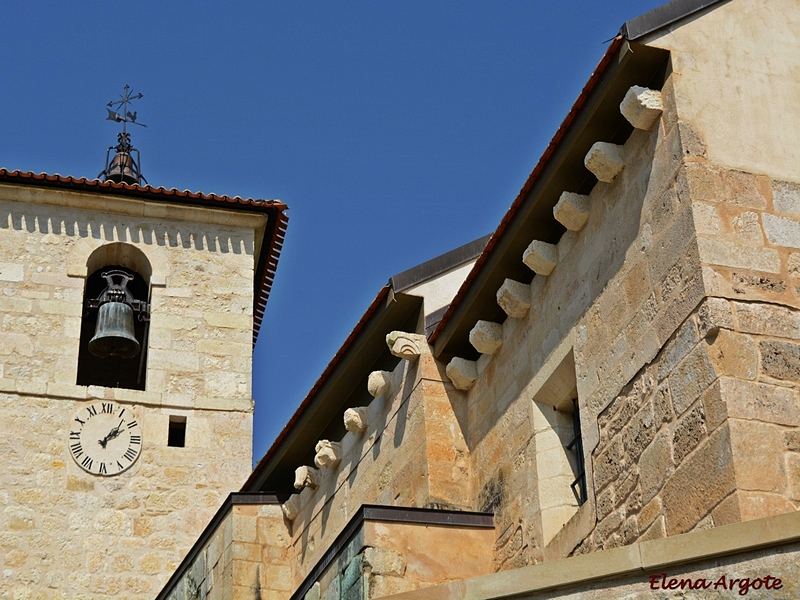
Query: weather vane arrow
[(126, 116)]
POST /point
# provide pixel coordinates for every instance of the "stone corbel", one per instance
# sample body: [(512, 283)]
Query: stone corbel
[(306, 477), (379, 383), (291, 507), (540, 257), (486, 337), (356, 419), (514, 298), (328, 454), (462, 372), (642, 107), (406, 345), (572, 210), (605, 161)]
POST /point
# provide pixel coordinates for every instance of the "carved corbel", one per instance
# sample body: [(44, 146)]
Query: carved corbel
[(306, 477), (379, 383), (356, 419), (406, 345), (328, 454)]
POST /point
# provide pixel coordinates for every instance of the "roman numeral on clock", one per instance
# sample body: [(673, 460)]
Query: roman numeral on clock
[(102, 470), (75, 435), (76, 449), (87, 462), (132, 424), (136, 439), (108, 408), (130, 454), (91, 410)]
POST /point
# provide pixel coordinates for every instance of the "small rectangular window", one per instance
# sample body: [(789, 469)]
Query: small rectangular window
[(177, 431)]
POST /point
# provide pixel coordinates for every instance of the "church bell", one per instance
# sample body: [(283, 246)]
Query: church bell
[(114, 333)]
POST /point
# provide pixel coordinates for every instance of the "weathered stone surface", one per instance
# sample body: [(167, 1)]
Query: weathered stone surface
[(699, 483), (463, 373), (688, 433), (768, 319), (514, 298), (690, 379), (486, 337), (655, 465), (713, 314), (540, 257), (786, 197), (572, 210), (379, 383), (781, 231), (732, 353), (356, 419), (758, 456), (605, 161), (306, 477), (732, 254), (328, 454), (641, 107), (780, 359), (406, 345)]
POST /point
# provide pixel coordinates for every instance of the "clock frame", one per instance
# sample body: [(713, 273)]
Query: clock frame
[(105, 438)]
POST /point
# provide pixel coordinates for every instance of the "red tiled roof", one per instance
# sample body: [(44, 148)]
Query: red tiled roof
[(273, 236)]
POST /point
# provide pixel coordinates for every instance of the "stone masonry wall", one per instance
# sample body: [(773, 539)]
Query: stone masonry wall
[(411, 454), (62, 530), (706, 434)]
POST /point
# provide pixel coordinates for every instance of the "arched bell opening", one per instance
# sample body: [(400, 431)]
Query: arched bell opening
[(114, 325)]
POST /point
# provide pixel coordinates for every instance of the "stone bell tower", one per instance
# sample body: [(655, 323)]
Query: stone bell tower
[(128, 315)]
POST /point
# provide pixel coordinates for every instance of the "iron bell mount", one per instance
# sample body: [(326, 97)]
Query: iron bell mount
[(114, 334)]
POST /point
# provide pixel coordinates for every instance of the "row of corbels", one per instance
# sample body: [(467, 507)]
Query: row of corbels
[(641, 107), (328, 455)]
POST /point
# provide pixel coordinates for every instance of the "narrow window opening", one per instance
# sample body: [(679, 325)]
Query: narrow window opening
[(575, 455), (177, 432)]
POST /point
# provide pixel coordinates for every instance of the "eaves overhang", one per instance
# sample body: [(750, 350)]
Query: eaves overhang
[(275, 210), (594, 117), (342, 385)]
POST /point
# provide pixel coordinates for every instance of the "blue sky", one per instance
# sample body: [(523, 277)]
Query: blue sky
[(395, 131)]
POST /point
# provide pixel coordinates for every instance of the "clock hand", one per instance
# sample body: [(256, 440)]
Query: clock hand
[(111, 434)]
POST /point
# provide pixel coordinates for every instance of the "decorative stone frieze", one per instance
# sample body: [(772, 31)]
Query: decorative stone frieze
[(540, 257), (462, 372), (642, 107), (605, 161), (572, 210), (514, 298), (306, 477), (379, 383), (406, 345), (328, 454), (291, 507), (356, 419), (486, 337)]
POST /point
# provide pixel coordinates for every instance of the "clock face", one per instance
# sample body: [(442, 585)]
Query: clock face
[(105, 438)]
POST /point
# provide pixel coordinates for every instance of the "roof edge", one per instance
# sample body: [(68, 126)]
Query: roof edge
[(663, 16)]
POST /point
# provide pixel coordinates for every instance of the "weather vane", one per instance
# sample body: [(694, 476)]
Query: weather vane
[(125, 167), (126, 116)]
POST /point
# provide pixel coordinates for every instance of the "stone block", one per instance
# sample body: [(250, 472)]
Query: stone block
[(572, 210), (291, 507), (384, 561), (514, 298), (655, 466), (641, 107), (605, 161), (540, 257), (378, 383), (328, 454), (306, 477), (462, 372), (732, 254), (486, 337), (356, 419), (713, 314), (758, 456), (760, 402), (688, 433), (781, 231), (699, 483), (780, 360), (734, 354), (11, 272), (690, 379), (768, 319), (786, 197)]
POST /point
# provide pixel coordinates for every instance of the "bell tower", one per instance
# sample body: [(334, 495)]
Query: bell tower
[(128, 315)]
